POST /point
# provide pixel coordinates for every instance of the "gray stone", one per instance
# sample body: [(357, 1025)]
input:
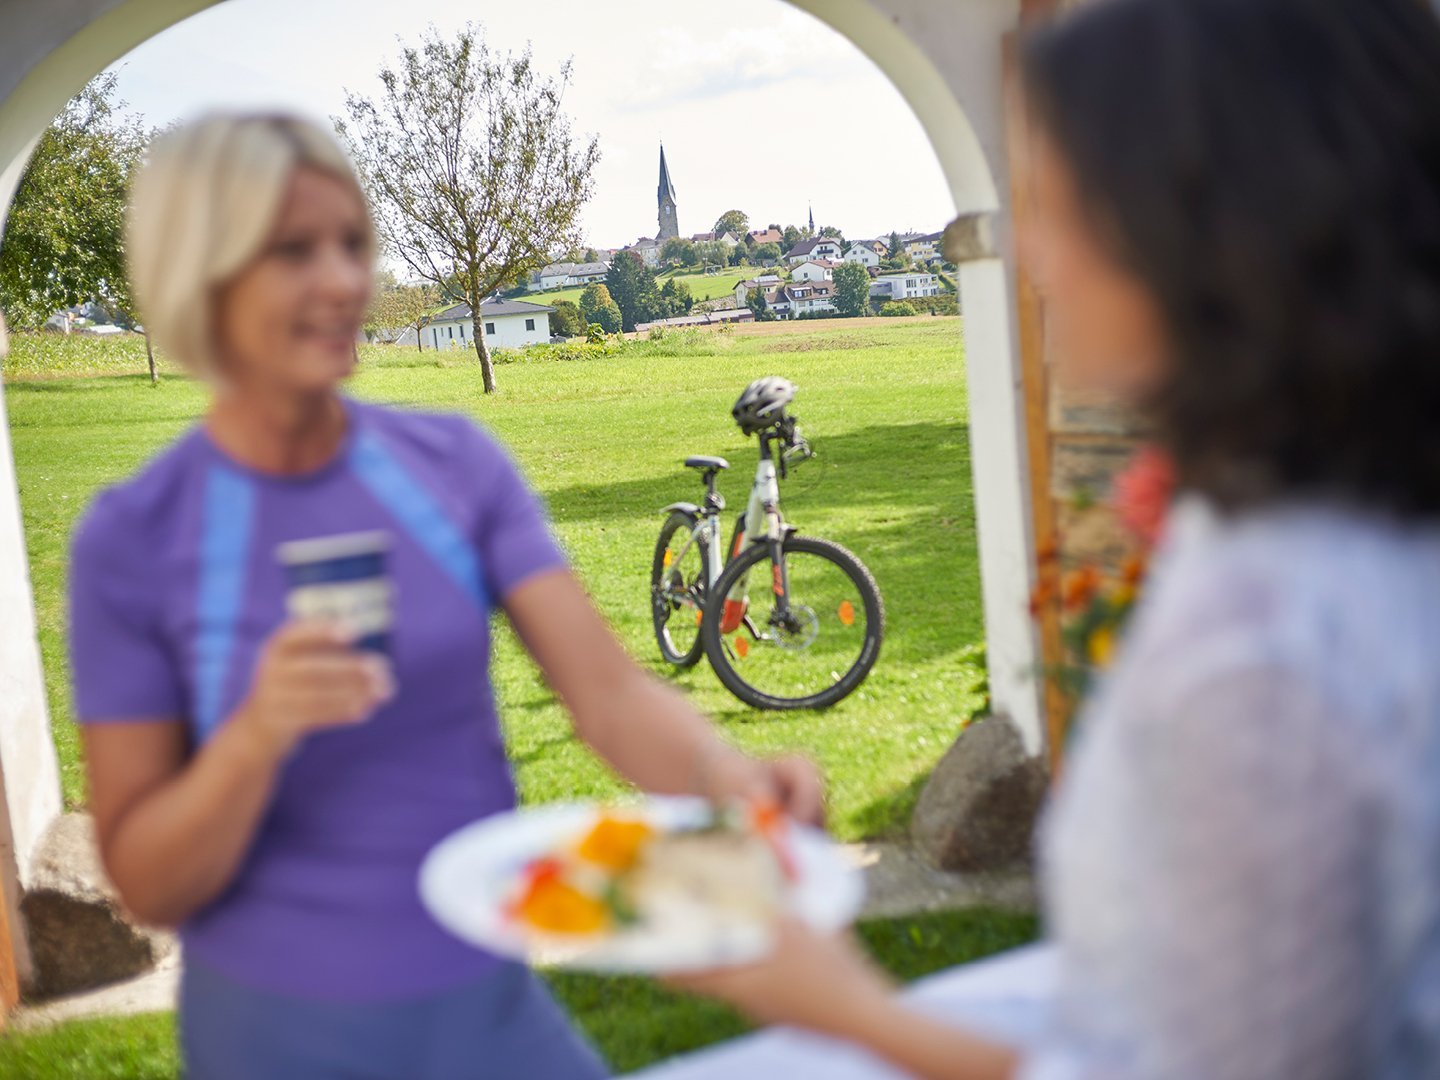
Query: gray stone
[(978, 810), (79, 934)]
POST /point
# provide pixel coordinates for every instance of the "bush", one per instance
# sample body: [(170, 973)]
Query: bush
[(566, 319), (896, 309), (945, 303)]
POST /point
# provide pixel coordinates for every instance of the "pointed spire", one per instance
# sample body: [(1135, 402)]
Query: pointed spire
[(812, 217), (666, 189)]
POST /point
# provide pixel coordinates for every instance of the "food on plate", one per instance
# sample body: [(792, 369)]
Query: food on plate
[(624, 871)]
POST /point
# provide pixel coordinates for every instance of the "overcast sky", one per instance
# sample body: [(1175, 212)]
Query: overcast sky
[(761, 107)]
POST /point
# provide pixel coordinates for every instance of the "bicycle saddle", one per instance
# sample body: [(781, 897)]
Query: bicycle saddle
[(700, 461)]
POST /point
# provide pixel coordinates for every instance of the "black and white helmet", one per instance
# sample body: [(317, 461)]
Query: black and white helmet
[(762, 403)]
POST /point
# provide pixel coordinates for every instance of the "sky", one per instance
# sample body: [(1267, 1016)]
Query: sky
[(761, 108)]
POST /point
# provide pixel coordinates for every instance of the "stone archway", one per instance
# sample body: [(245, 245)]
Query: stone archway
[(946, 60)]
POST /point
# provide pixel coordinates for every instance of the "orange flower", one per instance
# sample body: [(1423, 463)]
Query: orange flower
[(1042, 596), (1079, 587), (1133, 570)]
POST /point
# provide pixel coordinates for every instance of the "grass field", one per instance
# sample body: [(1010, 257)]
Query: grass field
[(702, 286), (602, 440), (882, 400)]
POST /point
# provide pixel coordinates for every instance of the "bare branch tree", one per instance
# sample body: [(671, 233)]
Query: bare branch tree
[(469, 160)]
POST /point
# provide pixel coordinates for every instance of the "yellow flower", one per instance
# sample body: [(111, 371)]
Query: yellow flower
[(1102, 646)]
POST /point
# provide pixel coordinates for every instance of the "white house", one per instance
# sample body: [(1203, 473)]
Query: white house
[(729, 239), (764, 281), (814, 270), (801, 298), (863, 253), (925, 248), (648, 250), (561, 275), (509, 324), (814, 248), (905, 285)]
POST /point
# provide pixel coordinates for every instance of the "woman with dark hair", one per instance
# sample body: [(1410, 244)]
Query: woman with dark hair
[(1237, 230)]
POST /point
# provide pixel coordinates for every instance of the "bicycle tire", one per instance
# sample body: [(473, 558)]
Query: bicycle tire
[(662, 611), (716, 649)]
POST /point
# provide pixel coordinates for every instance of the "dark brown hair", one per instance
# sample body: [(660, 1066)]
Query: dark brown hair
[(1271, 170)]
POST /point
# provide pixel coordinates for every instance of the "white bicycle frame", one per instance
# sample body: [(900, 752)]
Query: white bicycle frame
[(762, 523)]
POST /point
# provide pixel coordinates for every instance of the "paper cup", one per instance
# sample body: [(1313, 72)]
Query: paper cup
[(342, 579)]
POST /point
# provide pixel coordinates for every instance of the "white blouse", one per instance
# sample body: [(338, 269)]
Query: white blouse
[(1242, 861)]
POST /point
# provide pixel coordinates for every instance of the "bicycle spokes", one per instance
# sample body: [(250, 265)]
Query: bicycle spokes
[(810, 628)]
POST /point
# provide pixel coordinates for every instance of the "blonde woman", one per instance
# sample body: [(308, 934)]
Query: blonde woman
[(260, 782)]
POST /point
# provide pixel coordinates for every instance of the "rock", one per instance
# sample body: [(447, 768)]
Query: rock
[(978, 810), (79, 934)]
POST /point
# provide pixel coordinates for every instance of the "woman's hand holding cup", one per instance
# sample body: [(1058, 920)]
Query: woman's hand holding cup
[(309, 677)]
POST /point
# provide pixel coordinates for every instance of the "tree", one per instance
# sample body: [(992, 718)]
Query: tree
[(737, 255), (758, 305), (470, 165), (771, 252), (852, 289), (896, 247), (792, 236), (64, 239), (676, 298), (830, 232), (632, 287), (712, 253), (732, 221), (566, 319), (897, 309), (593, 299), (591, 255), (400, 307), (678, 250)]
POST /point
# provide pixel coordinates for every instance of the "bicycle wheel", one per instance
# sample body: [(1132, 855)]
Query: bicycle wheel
[(677, 590), (811, 655)]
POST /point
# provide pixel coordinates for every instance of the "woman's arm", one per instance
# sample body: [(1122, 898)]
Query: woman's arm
[(172, 831), (647, 731), (827, 985)]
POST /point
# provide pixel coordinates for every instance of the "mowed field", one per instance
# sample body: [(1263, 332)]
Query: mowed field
[(702, 286), (602, 440)]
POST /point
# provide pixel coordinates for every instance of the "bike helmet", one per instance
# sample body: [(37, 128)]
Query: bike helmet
[(763, 403)]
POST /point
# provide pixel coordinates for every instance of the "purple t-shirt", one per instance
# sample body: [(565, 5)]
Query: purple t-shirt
[(325, 902)]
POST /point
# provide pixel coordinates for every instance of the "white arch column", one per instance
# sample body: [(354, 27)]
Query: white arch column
[(945, 58)]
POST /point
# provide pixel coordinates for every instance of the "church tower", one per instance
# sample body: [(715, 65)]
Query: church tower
[(666, 196)]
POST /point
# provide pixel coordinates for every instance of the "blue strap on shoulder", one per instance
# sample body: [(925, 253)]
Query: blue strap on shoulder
[(419, 514), (228, 518)]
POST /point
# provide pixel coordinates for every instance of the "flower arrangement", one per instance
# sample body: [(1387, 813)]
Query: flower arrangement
[(1094, 605)]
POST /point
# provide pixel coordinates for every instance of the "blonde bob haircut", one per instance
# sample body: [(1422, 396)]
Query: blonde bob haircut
[(200, 210)]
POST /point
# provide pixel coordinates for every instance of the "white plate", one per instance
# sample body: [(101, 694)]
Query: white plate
[(469, 877)]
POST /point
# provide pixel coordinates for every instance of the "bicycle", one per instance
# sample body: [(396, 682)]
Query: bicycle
[(815, 633)]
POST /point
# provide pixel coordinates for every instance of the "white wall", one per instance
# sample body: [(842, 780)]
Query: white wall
[(810, 272), (863, 255), (510, 332)]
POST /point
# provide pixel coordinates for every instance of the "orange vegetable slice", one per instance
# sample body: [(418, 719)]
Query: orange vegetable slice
[(615, 843), (556, 907)]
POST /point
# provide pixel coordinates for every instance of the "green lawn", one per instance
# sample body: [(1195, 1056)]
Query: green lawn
[(632, 1021), (884, 404), (602, 440), (702, 286)]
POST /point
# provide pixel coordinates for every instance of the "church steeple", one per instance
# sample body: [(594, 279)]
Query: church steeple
[(665, 196), (812, 220)]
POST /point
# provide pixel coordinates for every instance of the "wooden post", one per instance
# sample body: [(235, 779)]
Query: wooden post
[(9, 976), (1035, 378)]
